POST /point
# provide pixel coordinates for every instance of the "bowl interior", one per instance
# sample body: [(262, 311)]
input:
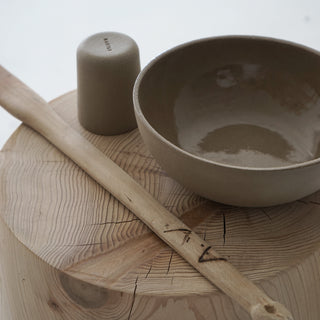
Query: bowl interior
[(243, 101)]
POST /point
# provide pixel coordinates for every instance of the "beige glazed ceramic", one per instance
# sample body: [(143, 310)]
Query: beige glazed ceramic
[(236, 119)]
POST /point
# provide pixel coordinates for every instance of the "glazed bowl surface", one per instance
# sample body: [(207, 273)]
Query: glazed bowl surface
[(235, 119)]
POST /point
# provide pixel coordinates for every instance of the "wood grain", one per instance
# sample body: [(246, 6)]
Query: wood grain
[(76, 227)]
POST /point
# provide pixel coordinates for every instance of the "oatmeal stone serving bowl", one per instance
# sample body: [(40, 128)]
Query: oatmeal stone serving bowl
[(235, 119)]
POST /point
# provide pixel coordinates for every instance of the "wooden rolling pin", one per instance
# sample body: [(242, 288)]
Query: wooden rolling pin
[(26, 105)]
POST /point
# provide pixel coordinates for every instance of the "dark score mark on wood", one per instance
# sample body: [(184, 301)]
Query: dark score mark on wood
[(169, 265), (206, 256), (186, 232), (186, 238), (205, 235), (179, 229)]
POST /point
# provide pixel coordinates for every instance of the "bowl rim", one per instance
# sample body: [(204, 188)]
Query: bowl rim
[(161, 56)]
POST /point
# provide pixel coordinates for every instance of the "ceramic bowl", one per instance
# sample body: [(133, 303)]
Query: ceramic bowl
[(236, 119)]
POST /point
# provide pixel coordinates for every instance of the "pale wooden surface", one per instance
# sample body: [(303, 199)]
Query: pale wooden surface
[(73, 225)]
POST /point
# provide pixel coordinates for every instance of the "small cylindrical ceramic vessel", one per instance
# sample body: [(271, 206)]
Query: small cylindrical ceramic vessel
[(107, 66)]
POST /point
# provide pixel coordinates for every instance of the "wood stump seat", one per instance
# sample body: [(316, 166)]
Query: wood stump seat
[(70, 250)]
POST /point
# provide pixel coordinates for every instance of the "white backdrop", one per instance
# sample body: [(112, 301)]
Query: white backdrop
[(38, 38)]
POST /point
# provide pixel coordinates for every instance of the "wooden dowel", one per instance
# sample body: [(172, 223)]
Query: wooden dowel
[(26, 105)]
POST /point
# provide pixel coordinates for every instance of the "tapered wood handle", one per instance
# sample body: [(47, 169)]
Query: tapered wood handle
[(27, 106)]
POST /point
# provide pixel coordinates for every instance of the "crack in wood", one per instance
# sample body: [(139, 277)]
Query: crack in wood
[(203, 257), (315, 202), (148, 271), (309, 202), (84, 244), (133, 298), (114, 222)]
